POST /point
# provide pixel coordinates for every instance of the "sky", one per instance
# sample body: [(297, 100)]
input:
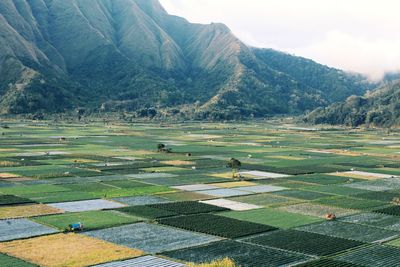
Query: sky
[(354, 35)]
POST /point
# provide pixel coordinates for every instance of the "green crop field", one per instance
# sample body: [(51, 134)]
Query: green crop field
[(92, 219), (186, 205)]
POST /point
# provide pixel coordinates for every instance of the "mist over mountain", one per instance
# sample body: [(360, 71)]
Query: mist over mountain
[(130, 55)]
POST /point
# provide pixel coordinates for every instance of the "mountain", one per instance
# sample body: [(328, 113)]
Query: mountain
[(380, 107), (131, 55)]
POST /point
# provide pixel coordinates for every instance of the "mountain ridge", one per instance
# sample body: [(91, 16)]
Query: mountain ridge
[(380, 107), (131, 55)]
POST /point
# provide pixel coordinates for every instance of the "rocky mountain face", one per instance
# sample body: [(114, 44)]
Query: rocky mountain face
[(132, 56)]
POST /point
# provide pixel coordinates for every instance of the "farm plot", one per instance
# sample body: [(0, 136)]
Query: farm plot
[(351, 231), (185, 196), (25, 191), (108, 190), (216, 225), (350, 202), (375, 219), (226, 192), (151, 238), (261, 188), (341, 190), (272, 217), (145, 261), (377, 185), (184, 179), (245, 255), (147, 212), (328, 263), (91, 219), (22, 228), (392, 210), (363, 175), (55, 197), (141, 200), (301, 194), (86, 205), (7, 261), (304, 242), (231, 205), (321, 179), (188, 207), (316, 210), (13, 200), (262, 175), (196, 187), (234, 184), (265, 200), (28, 210), (373, 256), (151, 175), (380, 196), (71, 250)]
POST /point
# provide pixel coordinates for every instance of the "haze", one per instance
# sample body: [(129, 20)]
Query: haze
[(358, 35)]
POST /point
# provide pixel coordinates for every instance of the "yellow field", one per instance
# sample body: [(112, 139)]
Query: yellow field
[(7, 149), (178, 162), (5, 175), (227, 175), (6, 163), (67, 250), (234, 184), (21, 211)]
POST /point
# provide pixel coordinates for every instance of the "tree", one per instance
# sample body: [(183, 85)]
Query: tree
[(234, 164), (160, 147)]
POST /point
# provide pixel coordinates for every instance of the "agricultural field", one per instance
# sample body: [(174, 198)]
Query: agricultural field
[(138, 205)]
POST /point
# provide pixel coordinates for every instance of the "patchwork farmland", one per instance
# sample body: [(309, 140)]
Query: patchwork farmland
[(139, 194)]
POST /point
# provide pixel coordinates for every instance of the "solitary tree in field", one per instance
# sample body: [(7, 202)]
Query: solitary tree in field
[(160, 147), (234, 164)]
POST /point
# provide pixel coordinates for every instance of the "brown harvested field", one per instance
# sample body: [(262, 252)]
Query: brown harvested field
[(234, 184), (178, 162), (62, 250), (5, 175), (23, 211)]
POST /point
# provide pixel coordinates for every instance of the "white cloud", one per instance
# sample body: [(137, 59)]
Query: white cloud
[(355, 35)]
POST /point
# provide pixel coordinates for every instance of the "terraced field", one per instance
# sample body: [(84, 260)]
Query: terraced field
[(143, 207)]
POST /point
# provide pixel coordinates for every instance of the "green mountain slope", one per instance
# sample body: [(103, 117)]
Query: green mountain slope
[(380, 107), (131, 55)]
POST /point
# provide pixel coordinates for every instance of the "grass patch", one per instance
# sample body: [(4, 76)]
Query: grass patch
[(276, 218), (147, 212), (13, 200), (7, 261), (91, 220), (350, 202)]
